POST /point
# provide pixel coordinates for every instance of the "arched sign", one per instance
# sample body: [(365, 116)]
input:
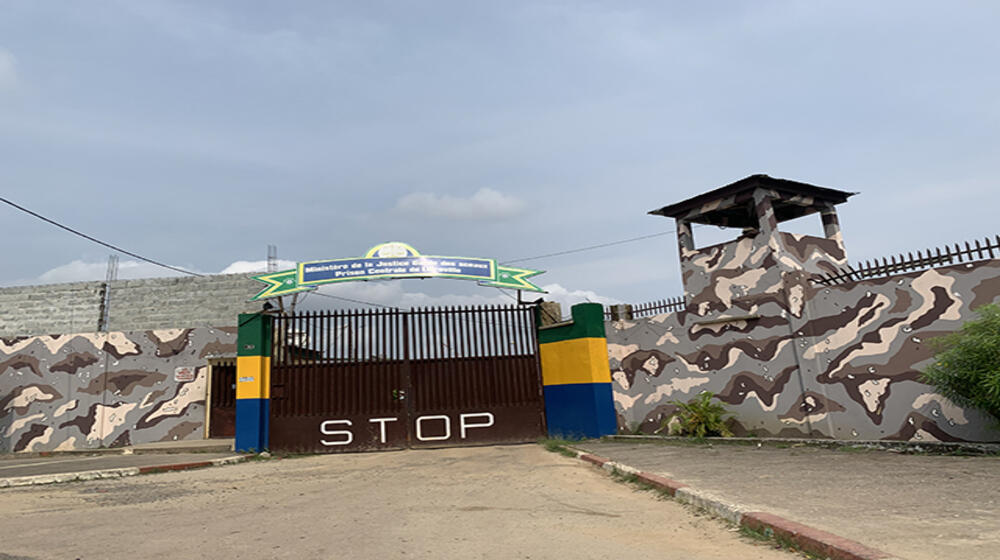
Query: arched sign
[(390, 261)]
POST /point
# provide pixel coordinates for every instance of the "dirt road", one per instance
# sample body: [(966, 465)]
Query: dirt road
[(487, 502)]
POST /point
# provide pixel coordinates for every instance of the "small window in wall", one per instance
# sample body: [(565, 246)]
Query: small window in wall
[(725, 225), (810, 224), (707, 235)]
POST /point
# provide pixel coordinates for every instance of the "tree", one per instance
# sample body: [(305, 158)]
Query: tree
[(966, 367)]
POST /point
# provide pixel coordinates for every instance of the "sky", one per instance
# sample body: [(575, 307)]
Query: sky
[(197, 133)]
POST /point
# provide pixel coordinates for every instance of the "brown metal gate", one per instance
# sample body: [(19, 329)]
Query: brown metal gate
[(222, 405), (383, 379)]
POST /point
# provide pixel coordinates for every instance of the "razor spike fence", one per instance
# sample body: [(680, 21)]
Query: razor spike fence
[(930, 258), (630, 311)]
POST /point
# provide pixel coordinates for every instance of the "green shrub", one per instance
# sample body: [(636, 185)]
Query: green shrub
[(701, 417), (966, 367)]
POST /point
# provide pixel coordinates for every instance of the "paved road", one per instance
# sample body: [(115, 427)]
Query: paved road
[(485, 502), (919, 507), (32, 466)]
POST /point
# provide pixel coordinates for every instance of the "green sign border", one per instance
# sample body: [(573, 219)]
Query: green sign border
[(287, 282)]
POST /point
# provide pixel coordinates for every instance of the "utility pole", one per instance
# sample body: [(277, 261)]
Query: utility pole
[(110, 276), (272, 266)]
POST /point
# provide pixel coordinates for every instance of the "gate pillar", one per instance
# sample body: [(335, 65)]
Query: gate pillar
[(253, 381), (576, 378)]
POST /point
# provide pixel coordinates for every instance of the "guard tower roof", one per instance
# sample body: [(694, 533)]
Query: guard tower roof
[(728, 206)]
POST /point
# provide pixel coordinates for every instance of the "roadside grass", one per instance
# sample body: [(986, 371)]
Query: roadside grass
[(160, 470), (558, 445), (767, 536), (633, 479)]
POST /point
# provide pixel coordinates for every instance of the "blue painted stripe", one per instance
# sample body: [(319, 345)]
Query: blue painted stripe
[(578, 410), (252, 416)]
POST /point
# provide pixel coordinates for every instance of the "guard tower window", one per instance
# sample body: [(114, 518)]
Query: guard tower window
[(725, 225)]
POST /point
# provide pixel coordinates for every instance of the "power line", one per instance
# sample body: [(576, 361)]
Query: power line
[(98, 241), (319, 293), (540, 307), (591, 247)]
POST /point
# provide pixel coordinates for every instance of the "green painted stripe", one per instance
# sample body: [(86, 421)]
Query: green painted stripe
[(254, 335), (588, 322)]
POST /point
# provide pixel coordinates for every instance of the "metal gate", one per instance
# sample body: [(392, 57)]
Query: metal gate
[(222, 403), (384, 379)]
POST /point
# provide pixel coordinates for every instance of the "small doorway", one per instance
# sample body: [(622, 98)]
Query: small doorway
[(222, 399)]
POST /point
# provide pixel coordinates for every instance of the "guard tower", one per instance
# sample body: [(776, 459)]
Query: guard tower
[(755, 265)]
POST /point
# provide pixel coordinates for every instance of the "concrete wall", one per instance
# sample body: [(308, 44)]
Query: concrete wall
[(153, 303), (53, 308), (804, 360), (160, 303), (88, 390)]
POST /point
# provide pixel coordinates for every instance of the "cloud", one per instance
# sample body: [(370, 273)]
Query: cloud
[(81, 271), (568, 298), (8, 70), (485, 204), (247, 267)]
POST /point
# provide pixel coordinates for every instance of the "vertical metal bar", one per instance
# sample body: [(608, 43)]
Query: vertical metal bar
[(418, 365), (316, 345), (276, 368), (443, 364), (512, 312), (452, 334), (498, 362), (509, 360), (533, 334), (291, 383), (330, 365), (375, 393), (482, 329), (388, 372), (407, 379), (307, 370), (436, 384), (350, 368)]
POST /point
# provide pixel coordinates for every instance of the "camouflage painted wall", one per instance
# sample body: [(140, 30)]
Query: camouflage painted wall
[(755, 263), (714, 276), (114, 389), (799, 360)]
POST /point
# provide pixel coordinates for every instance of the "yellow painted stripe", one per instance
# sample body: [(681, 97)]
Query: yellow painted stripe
[(253, 377), (580, 360)]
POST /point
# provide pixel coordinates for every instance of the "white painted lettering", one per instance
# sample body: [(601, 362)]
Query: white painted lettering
[(381, 425), (324, 429), (447, 428), (462, 424)]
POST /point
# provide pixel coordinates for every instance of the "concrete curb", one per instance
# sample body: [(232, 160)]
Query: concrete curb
[(938, 447), (222, 448), (808, 539), (115, 473)]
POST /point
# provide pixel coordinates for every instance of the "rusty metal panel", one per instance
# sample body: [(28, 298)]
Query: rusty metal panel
[(376, 379)]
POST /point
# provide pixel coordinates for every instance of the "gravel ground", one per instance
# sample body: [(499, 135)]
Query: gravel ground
[(484, 502)]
